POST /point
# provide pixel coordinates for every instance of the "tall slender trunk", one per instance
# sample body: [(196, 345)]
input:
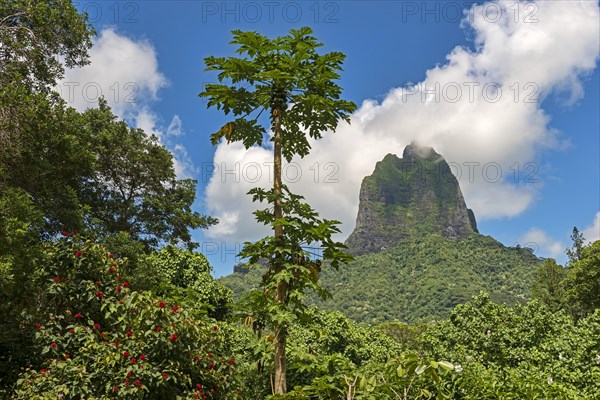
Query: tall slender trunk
[(280, 384)]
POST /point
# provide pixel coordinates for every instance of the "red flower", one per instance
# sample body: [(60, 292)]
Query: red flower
[(138, 383), (129, 334), (165, 375), (78, 253), (199, 386), (43, 371), (71, 330), (111, 270), (158, 329), (209, 354), (173, 337), (175, 308), (161, 304), (100, 295), (37, 326), (211, 365), (56, 279), (67, 355), (110, 255), (116, 344), (232, 361), (78, 315), (126, 284), (119, 288), (215, 328), (119, 277), (125, 354), (101, 335), (129, 374), (133, 360), (64, 233), (53, 345), (97, 326), (116, 389), (142, 357)]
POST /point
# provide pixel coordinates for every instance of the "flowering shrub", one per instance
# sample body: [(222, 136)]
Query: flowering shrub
[(103, 339)]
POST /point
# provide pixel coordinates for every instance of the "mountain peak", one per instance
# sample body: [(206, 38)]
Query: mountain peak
[(414, 151), (407, 197)]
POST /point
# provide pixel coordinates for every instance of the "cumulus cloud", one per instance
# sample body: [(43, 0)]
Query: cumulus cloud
[(182, 162), (125, 72), (542, 244), (481, 109), (122, 70), (592, 232), (146, 120)]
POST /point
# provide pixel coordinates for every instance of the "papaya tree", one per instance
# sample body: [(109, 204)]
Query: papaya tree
[(292, 86)]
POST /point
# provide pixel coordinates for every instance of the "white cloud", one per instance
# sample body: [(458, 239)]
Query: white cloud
[(184, 167), (175, 127), (147, 121), (542, 244), (122, 70), (592, 232), (125, 72), (502, 130)]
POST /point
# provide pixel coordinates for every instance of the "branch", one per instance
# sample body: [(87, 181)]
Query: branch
[(12, 16)]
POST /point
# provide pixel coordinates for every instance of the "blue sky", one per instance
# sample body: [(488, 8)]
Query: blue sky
[(424, 71)]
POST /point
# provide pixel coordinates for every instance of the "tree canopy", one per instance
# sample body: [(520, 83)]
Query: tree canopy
[(289, 79)]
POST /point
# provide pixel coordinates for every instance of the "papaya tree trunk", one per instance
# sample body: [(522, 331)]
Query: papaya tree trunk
[(280, 384)]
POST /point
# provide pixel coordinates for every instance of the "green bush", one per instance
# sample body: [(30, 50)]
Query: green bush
[(103, 339)]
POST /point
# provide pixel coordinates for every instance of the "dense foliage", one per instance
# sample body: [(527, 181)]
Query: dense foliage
[(290, 79), (61, 170), (410, 282), (521, 352), (98, 337), (127, 309)]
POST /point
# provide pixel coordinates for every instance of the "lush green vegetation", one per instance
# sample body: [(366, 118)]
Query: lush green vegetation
[(295, 84), (102, 295), (420, 280)]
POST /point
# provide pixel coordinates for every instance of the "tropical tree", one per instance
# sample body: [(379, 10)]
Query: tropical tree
[(549, 286), (289, 79), (39, 38), (133, 187), (574, 253), (583, 281)]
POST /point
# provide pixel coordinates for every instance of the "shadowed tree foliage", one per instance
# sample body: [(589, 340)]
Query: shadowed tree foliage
[(574, 252), (549, 285), (61, 170), (583, 281), (133, 187), (40, 38)]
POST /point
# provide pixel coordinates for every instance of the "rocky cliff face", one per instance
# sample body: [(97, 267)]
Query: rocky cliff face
[(407, 197)]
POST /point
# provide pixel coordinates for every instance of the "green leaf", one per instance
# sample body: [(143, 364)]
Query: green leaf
[(446, 365)]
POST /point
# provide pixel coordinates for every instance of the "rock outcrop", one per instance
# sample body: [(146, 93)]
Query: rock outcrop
[(407, 197)]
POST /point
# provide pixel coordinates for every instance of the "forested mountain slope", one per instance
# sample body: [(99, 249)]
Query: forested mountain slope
[(417, 247)]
